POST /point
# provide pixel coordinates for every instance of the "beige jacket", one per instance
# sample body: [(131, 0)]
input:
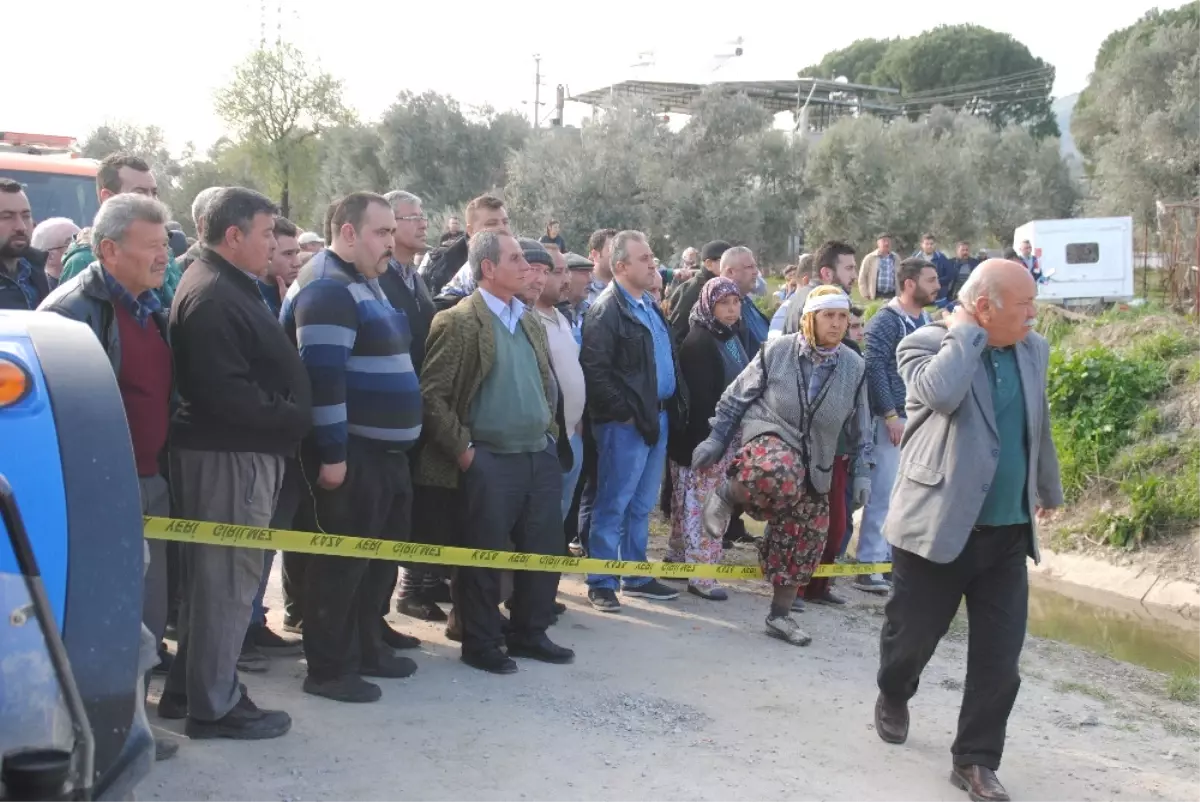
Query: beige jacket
[(868, 275)]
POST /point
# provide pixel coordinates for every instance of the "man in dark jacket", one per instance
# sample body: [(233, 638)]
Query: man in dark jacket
[(244, 406), (917, 286), (629, 367), (681, 301), (114, 296), (22, 268), (962, 266), (421, 586), (945, 269), (484, 213)]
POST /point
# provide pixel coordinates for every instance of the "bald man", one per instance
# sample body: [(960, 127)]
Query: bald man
[(977, 468)]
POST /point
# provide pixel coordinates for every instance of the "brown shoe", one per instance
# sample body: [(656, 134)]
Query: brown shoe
[(891, 720), (980, 783)]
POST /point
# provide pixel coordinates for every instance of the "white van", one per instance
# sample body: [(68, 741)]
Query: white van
[(1084, 261)]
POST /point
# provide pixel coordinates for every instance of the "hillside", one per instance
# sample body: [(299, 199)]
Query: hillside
[(1126, 413), (1064, 109)]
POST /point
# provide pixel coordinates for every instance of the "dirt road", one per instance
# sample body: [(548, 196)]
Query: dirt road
[(689, 700)]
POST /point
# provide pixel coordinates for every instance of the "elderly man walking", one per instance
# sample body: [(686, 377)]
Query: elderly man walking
[(489, 418), (977, 466)]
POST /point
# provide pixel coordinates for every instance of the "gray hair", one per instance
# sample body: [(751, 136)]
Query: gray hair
[(981, 284), (620, 247), (399, 196), (200, 208), (484, 245), (119, 212), (736, 252), (51, 231)]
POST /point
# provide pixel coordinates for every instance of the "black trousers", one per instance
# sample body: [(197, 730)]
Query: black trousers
[(503, 496), (992, 575), (342, 596)]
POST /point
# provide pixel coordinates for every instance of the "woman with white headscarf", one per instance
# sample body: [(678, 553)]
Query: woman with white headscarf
[(791, 404)]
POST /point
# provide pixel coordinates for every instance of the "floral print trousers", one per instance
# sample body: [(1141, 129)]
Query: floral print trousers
[(797, 517), (689, 489)]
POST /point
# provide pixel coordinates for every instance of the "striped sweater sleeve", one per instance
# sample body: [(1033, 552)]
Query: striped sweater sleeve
[(326, 328)]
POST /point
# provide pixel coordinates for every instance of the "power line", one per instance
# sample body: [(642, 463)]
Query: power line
[(984, 83)]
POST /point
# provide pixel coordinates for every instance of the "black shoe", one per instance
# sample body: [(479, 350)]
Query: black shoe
[(172, 706), (244, 723), (164, 749), (165, 660), (439, 593), (351, 688), (262, 637), (604, 600), (397, 640), (541, 648), (251, 660), (829, 597), (491, 660), (891, 720), (293, 625), (652, 590), (559, 608), (420, 608), (389, 667)]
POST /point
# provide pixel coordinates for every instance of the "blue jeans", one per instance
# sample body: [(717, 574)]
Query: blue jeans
[(258, 613), (872, 546), (627, 482), (571, 478)]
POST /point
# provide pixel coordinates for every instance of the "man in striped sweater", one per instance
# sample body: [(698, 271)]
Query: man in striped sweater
[(366, 416)]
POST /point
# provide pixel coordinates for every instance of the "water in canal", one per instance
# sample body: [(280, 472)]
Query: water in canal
[(1160, 639)]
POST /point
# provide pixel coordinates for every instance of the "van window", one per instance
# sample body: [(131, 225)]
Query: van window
[(58, 195), (1083, 253)]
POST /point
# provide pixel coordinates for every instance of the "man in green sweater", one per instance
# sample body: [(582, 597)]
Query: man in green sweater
[(489, 423), (121, 173)]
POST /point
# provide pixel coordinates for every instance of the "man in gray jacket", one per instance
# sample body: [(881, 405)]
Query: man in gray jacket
[(977, 467)]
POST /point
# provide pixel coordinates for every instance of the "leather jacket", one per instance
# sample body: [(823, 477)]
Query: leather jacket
[(618, 367), (85, 298)]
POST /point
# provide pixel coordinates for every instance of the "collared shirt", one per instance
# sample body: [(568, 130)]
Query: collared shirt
[(24, 281), (595, 287), (140, 307), (885, 280), (509, 314), (664, 357), (407, 273)]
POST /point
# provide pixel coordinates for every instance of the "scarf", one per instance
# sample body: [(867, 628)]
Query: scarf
[(713, 292)]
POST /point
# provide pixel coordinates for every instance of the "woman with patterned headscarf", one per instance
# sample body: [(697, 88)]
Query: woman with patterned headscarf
[(790, 405), (710, 358)]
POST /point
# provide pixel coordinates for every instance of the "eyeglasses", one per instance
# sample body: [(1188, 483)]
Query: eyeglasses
[(412, 218)]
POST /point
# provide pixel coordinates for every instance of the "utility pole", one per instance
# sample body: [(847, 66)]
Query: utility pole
[(537, 88)]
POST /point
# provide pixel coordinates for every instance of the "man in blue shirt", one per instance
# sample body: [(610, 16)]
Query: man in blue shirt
[(629, 368), (945, 269)]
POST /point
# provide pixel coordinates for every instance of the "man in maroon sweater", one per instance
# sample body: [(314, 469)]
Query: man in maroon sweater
[(114, 296)]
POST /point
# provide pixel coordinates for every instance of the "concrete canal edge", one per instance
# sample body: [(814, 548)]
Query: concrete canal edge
[(1096, 581)]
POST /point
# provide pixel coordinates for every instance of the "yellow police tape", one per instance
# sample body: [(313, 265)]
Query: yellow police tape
[(252, 537)]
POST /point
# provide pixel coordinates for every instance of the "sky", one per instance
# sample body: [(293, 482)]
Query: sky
[(161, 61)]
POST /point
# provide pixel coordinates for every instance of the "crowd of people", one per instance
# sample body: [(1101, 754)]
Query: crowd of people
[(501, 392)]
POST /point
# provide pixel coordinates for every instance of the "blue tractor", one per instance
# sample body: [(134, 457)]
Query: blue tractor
[(72, 724)]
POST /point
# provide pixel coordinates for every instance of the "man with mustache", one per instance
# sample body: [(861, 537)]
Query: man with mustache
[(366, 416), (22, 269)]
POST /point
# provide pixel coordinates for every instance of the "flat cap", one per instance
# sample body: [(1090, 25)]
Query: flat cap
[(714, 250), (535, 254), (577, 262)]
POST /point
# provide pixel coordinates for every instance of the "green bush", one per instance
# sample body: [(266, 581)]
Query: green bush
[(1162, 347), (1095, 399), (1158, 502)]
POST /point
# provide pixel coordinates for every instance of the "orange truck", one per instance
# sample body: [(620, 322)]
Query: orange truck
[(58, 181)]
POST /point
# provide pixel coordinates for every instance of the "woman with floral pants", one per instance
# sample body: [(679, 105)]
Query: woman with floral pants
[(791, 405), (711, 357)]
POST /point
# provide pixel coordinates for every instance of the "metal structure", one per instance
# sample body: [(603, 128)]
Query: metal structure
[(816, 103), (1179, 224)]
